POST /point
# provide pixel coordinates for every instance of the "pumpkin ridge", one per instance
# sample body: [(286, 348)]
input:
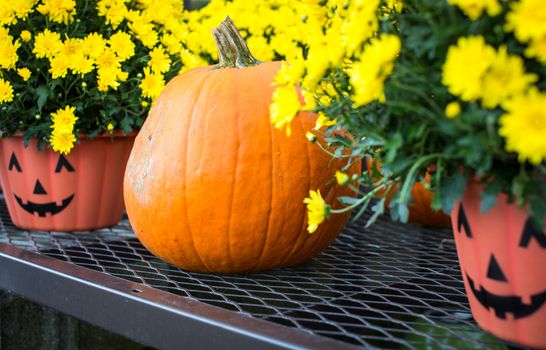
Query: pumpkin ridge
[(197, 94), (238, 139), (272, 152), (304, 221)]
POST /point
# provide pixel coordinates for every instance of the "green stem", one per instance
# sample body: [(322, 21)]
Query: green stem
[(404, 193), (341, 156), (232, 49), (382, 184)]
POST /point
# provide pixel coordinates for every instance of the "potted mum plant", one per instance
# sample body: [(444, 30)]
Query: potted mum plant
[(451, 94), (76, 81)]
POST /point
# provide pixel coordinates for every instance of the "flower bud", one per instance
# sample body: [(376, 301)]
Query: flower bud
[(311, 137), (342, 178), (453, 109)]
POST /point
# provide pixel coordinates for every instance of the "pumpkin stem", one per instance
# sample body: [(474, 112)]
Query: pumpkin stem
[(233, 51)]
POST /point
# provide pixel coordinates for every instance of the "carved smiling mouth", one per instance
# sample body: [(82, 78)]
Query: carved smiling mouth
[(44, 208), (506, 304)]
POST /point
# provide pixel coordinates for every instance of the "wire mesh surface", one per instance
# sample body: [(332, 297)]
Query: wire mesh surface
[(391, 286)]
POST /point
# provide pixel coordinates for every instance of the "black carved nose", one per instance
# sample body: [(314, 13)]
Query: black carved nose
[(38, 188), (494, 270)]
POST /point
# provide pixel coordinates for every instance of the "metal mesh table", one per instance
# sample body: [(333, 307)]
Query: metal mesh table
[(391, 286)]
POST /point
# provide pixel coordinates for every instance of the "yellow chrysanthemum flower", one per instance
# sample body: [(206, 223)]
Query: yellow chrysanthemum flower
[(361, 24), (64, 120), (505, 78), (122, 45), (11, 11), (453, 109), (537, 49), (22, 8), (159, 60), (113, 10), (323, 120), (8, 50), (524, 126), (317, 210), (59, 66), (110, 127), (62, 142), (7, 15), (375, 65), (260, 48), (60, 11), (143, 30), (316, 64), (73, 52), (110, 78), (527, 19), (189, 60), (6, 91), (474, 8), (466, 64), (47, 44), (109, 71), (152, 84), (290, 73), (93, 45), (25, 36), (395, 5), (108, 61), (24, 73), (171, 43), (284, 107)]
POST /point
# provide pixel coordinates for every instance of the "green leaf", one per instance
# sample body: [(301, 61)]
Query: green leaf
[(399, 211), (436, 203), (451, 190), (378, 209), (362, 209), (489, 200), (347, 200), (126, 124), (42, 92)]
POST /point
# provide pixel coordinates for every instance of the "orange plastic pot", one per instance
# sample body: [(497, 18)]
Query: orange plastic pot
[(80, 191), (503, 263)]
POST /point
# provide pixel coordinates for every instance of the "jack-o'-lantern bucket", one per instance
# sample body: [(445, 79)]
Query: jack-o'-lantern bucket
[(503, 264), (49, 191)]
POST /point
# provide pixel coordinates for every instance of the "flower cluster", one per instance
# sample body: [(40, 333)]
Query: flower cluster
[(456, 86), (110, 59), (104, 61), (62, 137)]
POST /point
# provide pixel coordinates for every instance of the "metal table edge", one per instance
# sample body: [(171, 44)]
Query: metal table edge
[(146, 315)]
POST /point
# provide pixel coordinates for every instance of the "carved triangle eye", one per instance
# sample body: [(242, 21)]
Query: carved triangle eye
[(530, 232), (63, 163), (494, 270), (13, 163), (463, 221)]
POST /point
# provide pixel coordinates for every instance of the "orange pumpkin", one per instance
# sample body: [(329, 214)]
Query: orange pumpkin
[(420, 210), (212, 186)]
